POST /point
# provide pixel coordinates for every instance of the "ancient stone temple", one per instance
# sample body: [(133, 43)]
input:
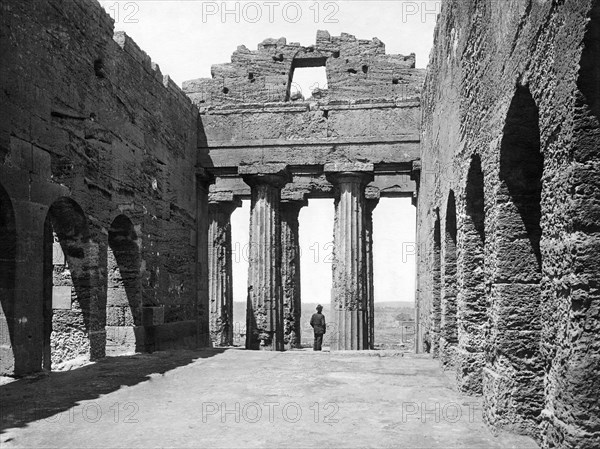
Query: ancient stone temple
[(117, 189), (358, 138)]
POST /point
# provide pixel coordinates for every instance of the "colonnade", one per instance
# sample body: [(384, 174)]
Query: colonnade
[(274, 303)]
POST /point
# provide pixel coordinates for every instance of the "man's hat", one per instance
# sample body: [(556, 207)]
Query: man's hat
[(319, 307)]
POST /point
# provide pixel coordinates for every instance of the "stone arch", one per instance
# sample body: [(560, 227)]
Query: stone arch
[(570, 294), (69, 297), (514, 389), (8, 252), (471, 299), (448, 326), (124, 289), (589, 72), (436, 307)]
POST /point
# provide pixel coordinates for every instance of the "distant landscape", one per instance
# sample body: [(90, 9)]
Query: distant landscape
[(394, 324)]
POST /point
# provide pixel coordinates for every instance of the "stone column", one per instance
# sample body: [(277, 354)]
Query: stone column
[(264, 315), (349, 308), (372, 199), (220, 285), (290, 271), (203, 181)]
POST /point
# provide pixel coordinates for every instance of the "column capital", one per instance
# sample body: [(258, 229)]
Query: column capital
[(340, 167), (224, 200), (293, 200), (287, 205), (349, 172), (372, 196), (276, 175)]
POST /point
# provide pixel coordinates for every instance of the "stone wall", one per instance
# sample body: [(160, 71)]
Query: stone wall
[(355, 69), (97, 192), (368, 116), (511, 133)]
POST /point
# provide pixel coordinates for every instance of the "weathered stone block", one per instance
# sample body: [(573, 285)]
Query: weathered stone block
[(61, 297)]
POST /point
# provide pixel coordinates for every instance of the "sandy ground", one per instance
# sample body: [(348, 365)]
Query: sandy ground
[(237, 398)]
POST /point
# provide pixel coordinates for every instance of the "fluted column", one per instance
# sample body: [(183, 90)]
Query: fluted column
[(349, 308), (203, 181), (220, 284), (264, 315), (290, 272), (372, 199)]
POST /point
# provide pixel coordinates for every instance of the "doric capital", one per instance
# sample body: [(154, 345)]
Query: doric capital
[(292, 195), (372, 196), (288, 205), (349, 172), (276, 175), (224, 196), (223, 202), (339, 167), (352, 177)]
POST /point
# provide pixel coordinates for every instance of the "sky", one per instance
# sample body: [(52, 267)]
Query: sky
[(185, 37), (393, 250)]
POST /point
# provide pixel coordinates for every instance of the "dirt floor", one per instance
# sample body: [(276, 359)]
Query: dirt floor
[(237, 398)]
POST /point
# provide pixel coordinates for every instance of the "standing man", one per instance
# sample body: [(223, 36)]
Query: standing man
[(427, 342), (317, 322)]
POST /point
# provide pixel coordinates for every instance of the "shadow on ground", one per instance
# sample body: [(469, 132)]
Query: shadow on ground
[(47, 394)]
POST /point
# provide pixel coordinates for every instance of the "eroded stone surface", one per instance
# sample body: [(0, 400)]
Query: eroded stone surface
[(521, 78), (91, 130)]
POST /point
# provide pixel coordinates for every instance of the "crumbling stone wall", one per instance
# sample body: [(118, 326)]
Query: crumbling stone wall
[(90, 130), (512, 90), (355, 68)]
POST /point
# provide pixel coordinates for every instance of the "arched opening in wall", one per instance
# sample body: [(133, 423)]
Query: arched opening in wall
[(124, 295), (308, 78), (515, 392), (436, 301), (316, 262), (571, 375), (448, 326), (589, 72), (67, 285), (472, 306), (240, 242), (8, 251), (394, 251)]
